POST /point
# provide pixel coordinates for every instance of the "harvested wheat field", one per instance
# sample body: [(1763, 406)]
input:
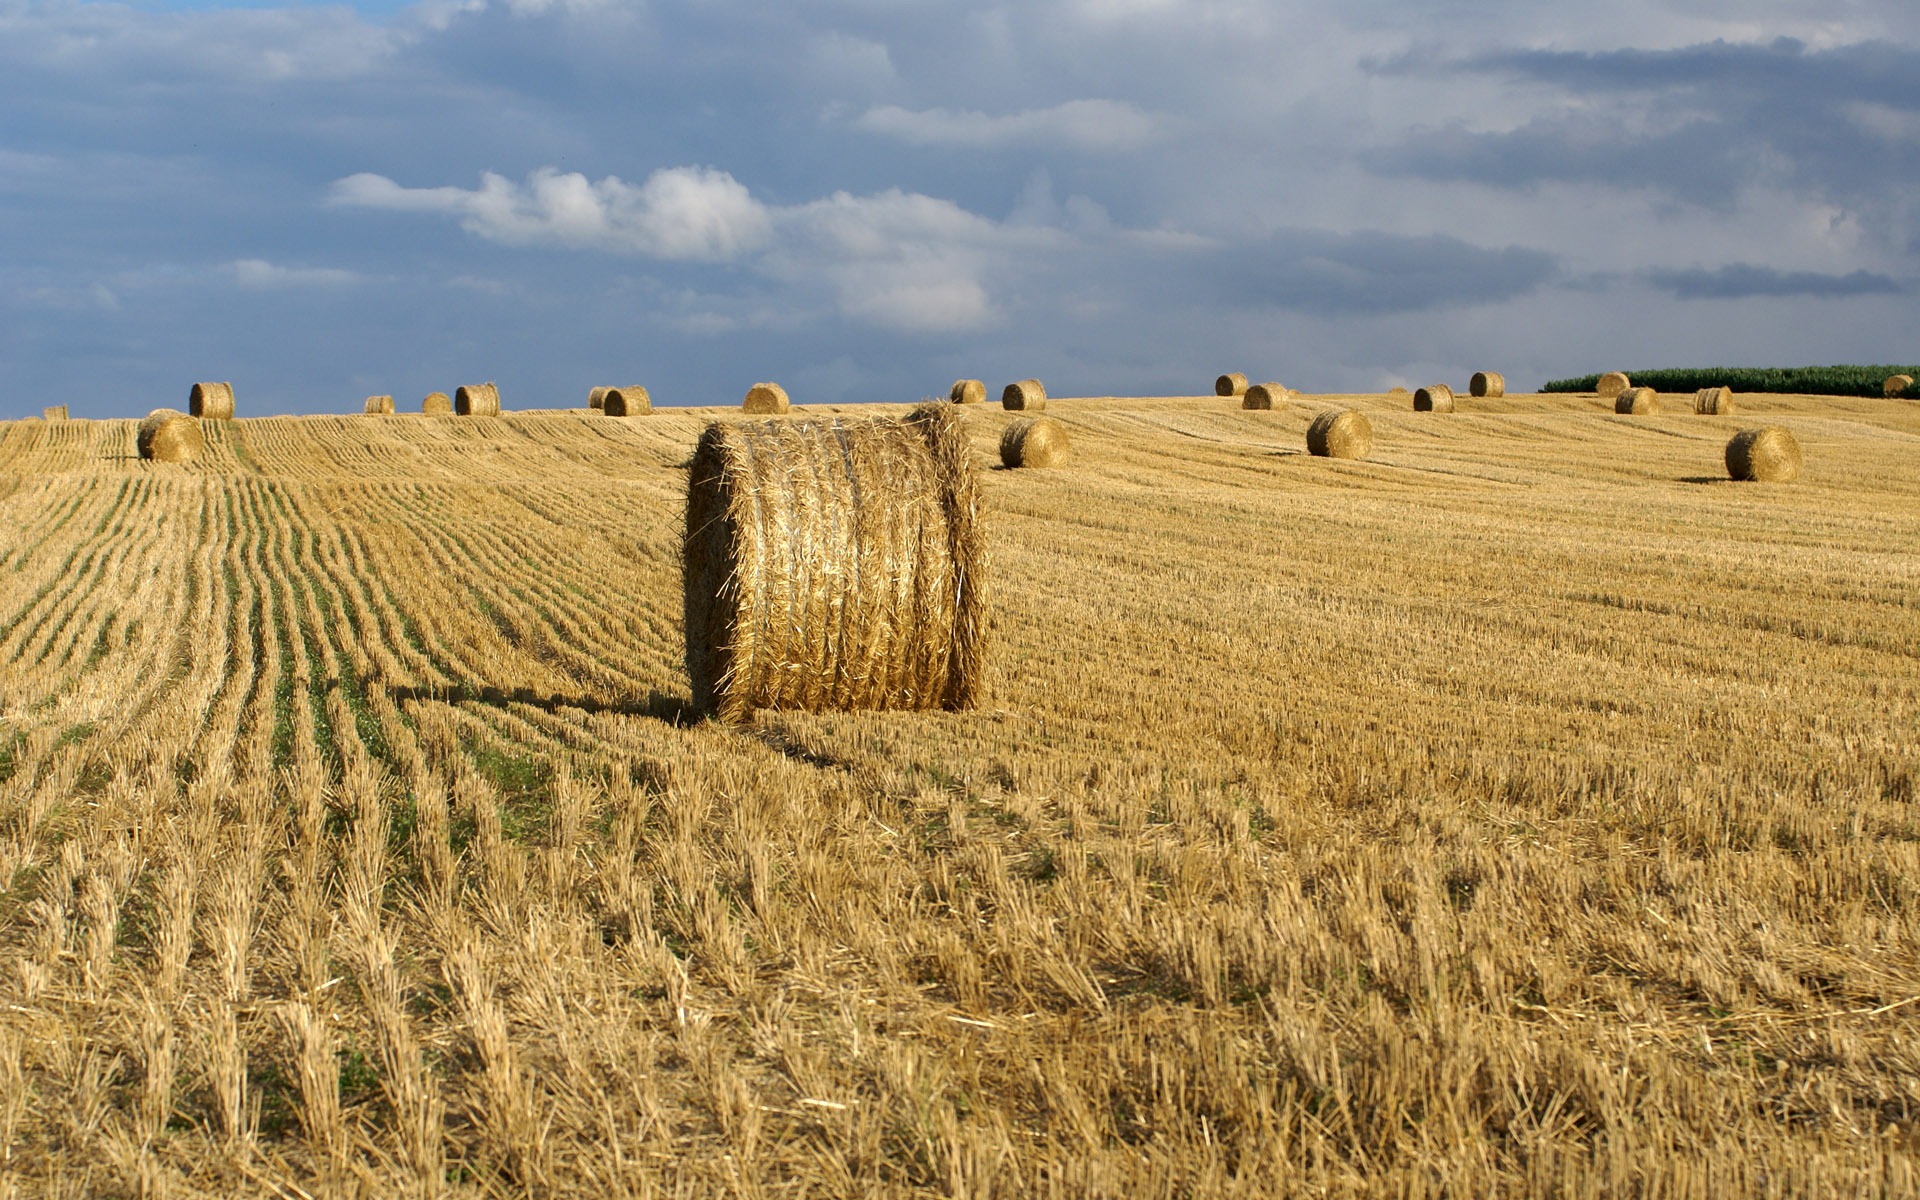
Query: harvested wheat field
[(1526, 810)]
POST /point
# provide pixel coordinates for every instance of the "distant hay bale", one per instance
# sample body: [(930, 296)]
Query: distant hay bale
[(1713, 401), (1026, 396), (968, 391), (836, 564), (169, 435), (1896, 385), (1435, 398), (379, 405), (1612, 384), (437, 404), (766, 399), (1233, 383), (1265, 396), (1637, 401), (596, 398), (1490, 384), (54, 412), (1340, 433), (477, 400), (626, 402), (1765, 455), (211, 400), (1034, 442), (1396, 390)]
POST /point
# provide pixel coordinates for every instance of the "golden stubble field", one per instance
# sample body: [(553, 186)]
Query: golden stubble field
[(1526, 811)]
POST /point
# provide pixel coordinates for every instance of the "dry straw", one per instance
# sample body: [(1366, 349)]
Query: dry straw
[(596, 398), (169, 435), (1713, 401), (1233, 383), (1612, 384), (1396, 390), (1340, 433), (379, 405), (1896, 385), (437, 404), (54, 412), (968, 391), (1034, 442), (1437, 398), (1491, 384), (213, 400), (1765, 455), (1026, 396), (626, 402), (766, 399), (1265, 396), (835, 565), (1638, 401), (477, 400)]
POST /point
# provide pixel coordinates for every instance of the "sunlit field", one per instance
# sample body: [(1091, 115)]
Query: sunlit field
[(1526, 810)]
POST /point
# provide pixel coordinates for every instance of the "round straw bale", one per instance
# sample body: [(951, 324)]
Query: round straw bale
[(1340, 433), (1612, 384), (379, 405), (1396, 390), (1437, 398), (1896, 385), (766, 399), (968, 391), (1637, 401), (835, 564), (213, 400), (1034, 442), (1768, 455), (1491, 384), (596, 397), (1233, 383), (169, 435), (477, 400), (1713, 401), (437, 404), (626, 402), (1026, 396), (54, 412), (1265, 396)]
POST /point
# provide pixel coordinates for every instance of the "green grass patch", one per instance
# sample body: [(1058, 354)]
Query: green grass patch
[(523, 782)]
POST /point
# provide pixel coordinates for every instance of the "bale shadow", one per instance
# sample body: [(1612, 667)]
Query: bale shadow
[(1703, 479), (674, 709)]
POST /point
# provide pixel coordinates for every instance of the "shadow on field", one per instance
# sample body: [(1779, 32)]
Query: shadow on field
[(661, 706), (1703, 479)]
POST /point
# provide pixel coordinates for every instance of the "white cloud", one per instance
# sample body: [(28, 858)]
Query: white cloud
[(1078, 124), (683, 213), (259, 273)]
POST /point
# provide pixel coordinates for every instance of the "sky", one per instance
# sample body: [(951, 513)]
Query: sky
[(867, 199)]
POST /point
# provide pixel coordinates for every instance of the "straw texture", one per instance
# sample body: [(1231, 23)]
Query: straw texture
[(379, 405), (54, 412), (968, 391), (437, 404), (1637, 401), (1437, 398), (1713, 402), (1612, 384), (1769, 454), (1231, 384), (835, 565), (1026, 396), (169, 435), (596, 397), (1897, 385), (1265, 396), (1491, 384), (1034, 442), (626, 402), (477, 400), (1340, 433), (214, 400), (766, 399)]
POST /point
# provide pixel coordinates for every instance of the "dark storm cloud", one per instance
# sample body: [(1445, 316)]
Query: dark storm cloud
[(1743, 280), (1372, 272)]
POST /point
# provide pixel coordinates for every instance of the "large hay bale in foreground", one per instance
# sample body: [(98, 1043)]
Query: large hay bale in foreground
[(1434, 398), (596, 398), (968, 391), (54, 412), (626, 402), (1340, 433), (1637, 401), (1233, 383), (212, 400), (1612, 384), (437, 404), (1713, 402), (477, 400), (835, 565), (766, 399), (169, 435), (1897, 385), (1769, 454), (1490, 384), (1025, 396), (378, 406), (1034, 442), (1265, 396)]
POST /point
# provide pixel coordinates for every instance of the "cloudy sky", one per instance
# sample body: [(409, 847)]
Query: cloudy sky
[(865, 199)]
